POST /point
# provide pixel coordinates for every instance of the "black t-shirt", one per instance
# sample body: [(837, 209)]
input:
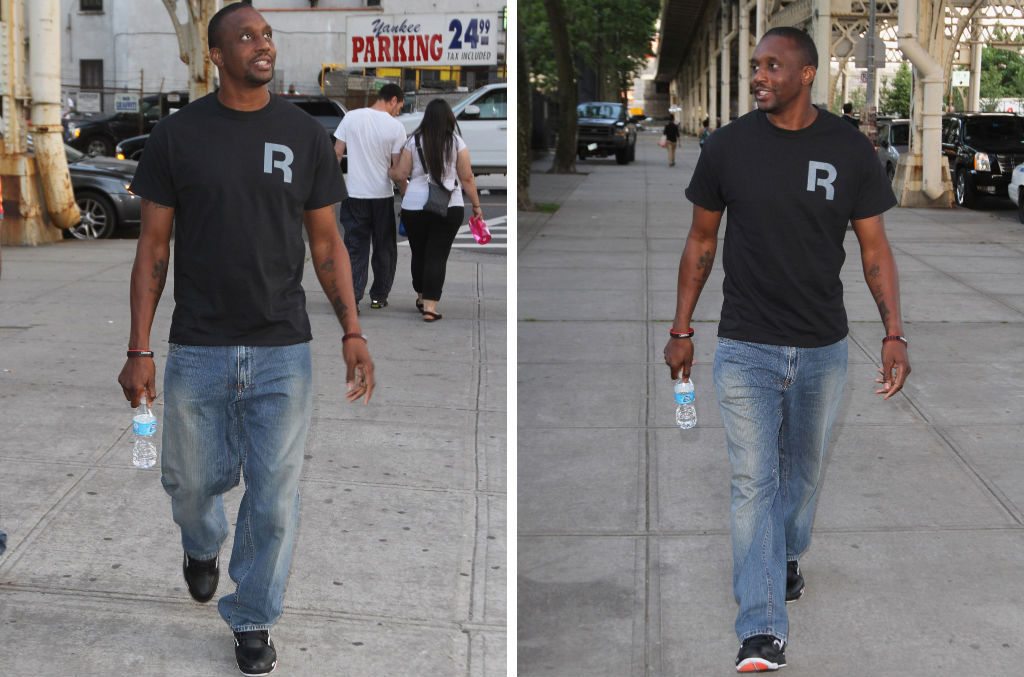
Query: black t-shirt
[(671, 132), (790, 196), (239, 182)]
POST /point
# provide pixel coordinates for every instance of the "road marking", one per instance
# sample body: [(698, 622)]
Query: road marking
[(464, 238)]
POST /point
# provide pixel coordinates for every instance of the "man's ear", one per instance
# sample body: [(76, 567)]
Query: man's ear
[(216, 56), (807, 75)]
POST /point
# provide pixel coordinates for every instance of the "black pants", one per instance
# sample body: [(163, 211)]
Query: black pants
[(430, 240), (371, 223)]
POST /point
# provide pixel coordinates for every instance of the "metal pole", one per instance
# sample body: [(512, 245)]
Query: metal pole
[(872, 36)]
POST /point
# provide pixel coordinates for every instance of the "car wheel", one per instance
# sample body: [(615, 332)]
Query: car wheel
[(890, 171), (622, 156), (1020, 205), (632, 152), (582, 155), (99, 145), (99, 220), (964, 190)]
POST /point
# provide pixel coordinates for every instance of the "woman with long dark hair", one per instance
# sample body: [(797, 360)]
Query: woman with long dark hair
[(435, 153)]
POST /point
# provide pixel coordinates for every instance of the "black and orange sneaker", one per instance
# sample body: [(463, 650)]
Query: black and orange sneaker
[(794, 582), (761, 653)]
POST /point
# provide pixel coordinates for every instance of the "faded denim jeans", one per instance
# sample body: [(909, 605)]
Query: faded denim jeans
[(778, 405), (234, 412)]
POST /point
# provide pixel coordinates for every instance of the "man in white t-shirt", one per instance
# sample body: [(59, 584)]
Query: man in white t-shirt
[(374, 140)]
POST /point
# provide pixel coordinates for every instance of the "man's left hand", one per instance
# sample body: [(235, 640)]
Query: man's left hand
[(359, 370), (894, 370)]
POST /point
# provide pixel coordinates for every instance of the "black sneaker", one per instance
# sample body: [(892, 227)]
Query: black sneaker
[(762, 653), (794, 582), (378, 303), (254, 652), (201, 577)]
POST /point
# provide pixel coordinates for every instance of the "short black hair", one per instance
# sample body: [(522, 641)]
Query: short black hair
[(847, 108), (213, 28), (390, 91), (803, 42)]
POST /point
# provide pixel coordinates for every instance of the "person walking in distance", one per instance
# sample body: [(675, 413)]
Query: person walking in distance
[(238, 172), (848, 115), (780, 364), (374, 140), (671, 133), (435, 153), (704, 133)]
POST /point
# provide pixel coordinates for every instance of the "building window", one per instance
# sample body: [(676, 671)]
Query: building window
[(91, 73), (373, 3), (91, 5), (661, 88)]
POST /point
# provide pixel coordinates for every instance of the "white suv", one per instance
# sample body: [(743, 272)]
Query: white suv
[(483, 120)]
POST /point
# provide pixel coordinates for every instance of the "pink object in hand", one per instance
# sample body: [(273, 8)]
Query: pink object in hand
[(479, 229)]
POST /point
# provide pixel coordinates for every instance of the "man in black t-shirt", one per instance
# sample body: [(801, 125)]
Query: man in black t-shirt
[(671, 133), (792, 177), (238, 173)]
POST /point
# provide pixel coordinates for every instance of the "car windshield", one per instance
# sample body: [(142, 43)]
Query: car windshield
[(995, 130), (900, 135), (601, 111)]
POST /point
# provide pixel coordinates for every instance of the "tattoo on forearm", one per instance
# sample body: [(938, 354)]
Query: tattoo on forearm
[(159, 277), (704, 263), (327, 265), (334, 296), (874, 279)]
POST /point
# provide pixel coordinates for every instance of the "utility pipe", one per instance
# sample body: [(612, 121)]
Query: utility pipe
[(743, 67), (931, 117), (44, 83), (726, 45)]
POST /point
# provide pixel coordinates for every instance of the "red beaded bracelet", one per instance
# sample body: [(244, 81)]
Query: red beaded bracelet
[(680, 334), (894, 337)]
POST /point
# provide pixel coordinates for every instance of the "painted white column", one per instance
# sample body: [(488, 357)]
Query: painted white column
[(44, 83), (822, 35)]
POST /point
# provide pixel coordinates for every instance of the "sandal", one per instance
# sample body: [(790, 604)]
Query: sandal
[(431, 317), (419, 305)]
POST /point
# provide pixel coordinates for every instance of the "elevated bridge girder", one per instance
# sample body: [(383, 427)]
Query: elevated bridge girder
[(705, 45)]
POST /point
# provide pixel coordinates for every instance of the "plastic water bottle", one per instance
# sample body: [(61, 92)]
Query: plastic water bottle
[(686, 411), (144, 428)]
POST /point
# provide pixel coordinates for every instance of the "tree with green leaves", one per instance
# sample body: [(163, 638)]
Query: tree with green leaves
[(896, 93), (610, 37)]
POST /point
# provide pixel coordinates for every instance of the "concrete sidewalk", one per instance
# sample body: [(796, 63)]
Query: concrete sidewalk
[(399, 567), (625, 564)]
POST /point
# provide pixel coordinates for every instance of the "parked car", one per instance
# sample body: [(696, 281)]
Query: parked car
[(327, 112), (101, 191), (1015, 190), (99, 134), (982, 150), (131, 148), (483, 121), (605, 129), (893, 141)]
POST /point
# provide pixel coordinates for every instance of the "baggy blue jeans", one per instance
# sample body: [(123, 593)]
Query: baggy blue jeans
[(231, 412), (778, 405)]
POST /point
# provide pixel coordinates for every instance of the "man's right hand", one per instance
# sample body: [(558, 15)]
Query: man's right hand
[(138, 378), (679, 357)]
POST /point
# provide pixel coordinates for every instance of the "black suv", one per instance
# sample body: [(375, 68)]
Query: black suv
[(982, 150), (99, 134), (605, 129)]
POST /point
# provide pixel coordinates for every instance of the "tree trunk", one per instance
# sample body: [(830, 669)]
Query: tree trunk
[(565, 150), (525, 131), (192, 46)]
